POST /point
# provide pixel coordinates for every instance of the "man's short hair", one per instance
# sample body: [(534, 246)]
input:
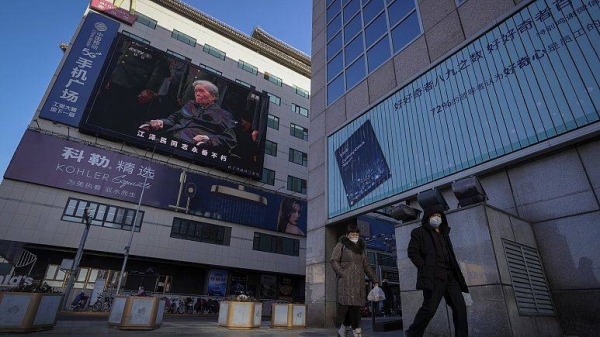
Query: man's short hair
[(209, 86)]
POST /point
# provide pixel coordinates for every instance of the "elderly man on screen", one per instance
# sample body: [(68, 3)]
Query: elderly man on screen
[(201, 122)]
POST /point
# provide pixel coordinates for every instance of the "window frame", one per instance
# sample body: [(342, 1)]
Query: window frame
[(291, 181), (303, 157), (146, 20), (270, 174), (275, 122), (299, 109), (273, 147), (273, 79), (183, 37), (295, 129), (214, 51), (247, 67)]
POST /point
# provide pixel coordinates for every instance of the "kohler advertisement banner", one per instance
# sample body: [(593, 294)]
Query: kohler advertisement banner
[(73, 86), (60, 163), (152, 99)]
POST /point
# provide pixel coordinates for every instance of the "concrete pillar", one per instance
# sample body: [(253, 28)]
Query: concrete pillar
[(477, 236)]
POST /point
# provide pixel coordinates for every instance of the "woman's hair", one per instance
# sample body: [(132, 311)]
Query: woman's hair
[(352, 228), (285, 210), (209, 86)]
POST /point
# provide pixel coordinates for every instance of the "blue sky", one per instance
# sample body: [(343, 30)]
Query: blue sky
[(31, 30)]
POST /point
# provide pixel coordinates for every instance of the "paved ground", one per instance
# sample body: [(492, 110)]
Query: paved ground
[(178, 325)]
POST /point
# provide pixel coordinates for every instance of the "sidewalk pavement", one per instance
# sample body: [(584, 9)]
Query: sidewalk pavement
[(177, 325)]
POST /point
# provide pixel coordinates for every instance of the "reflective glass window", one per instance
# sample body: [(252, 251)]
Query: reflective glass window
[(356, 72), (335, 89), (333, 9), (406, 32), (398, 10), (334, 66), (354, 49), (351, 9), (375, 30), (334, 26), (334, 46), (378, 54), (372, 9), (352, 28)]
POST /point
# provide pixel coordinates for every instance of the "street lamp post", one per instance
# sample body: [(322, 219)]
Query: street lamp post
[(128, 247), (75, 267)]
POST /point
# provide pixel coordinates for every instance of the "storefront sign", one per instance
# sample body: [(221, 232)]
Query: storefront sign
[(60, 163)]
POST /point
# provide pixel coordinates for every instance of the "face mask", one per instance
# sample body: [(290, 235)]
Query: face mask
[(435, 221), (355, 240)]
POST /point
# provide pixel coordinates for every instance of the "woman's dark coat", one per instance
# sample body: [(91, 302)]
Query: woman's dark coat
[(423, 253), (350, 263)]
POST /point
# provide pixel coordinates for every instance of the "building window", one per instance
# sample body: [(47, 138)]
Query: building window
[(146, 21), (201, 232), (360, 38), (274, 99), (177, 35), (103, 215), (298, 131), (273, 79), (273, 122), (528, 280), (276, 244), (268, 177), (246, 84), (271, 148), (85, 279), (301, 92), (296, 184), (214, 52), (177, 55), (298, 157), (247, 67), (211, 69), (135, 37), (300, 110)]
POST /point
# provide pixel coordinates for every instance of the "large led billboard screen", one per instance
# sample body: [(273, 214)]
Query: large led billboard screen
[(158, 101)]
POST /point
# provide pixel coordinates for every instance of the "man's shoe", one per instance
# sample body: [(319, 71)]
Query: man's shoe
[(357, 332)]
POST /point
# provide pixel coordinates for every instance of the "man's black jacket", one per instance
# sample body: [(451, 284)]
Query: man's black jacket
[(423, 253)]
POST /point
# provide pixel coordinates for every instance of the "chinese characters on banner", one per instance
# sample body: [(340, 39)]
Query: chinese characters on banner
[(75, 81)]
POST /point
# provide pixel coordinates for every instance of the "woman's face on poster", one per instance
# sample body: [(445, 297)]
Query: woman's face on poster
[(295, 214)]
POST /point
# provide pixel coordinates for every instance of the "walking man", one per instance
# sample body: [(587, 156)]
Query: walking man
[(430, 250)]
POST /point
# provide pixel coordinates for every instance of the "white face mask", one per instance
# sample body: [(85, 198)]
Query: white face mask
[(355, 240), (435, 221)]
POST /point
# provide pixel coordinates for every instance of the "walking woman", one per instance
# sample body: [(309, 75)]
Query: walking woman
[(349, 262)]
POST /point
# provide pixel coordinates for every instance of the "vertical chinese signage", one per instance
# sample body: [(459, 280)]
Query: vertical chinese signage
[(69, 95)]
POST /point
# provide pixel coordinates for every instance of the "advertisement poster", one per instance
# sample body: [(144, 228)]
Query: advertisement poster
[(268, 286), (75, 81), (157, 101), (238, 283), (362, 164), (217, 282), (286, 289), (56, 162)]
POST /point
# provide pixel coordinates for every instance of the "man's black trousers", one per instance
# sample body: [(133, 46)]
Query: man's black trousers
[(450, 290)]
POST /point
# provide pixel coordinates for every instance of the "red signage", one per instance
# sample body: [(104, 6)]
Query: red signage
[(108, 8)]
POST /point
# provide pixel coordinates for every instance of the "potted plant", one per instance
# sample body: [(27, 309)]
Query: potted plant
[(240, 312), (28, 306)]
